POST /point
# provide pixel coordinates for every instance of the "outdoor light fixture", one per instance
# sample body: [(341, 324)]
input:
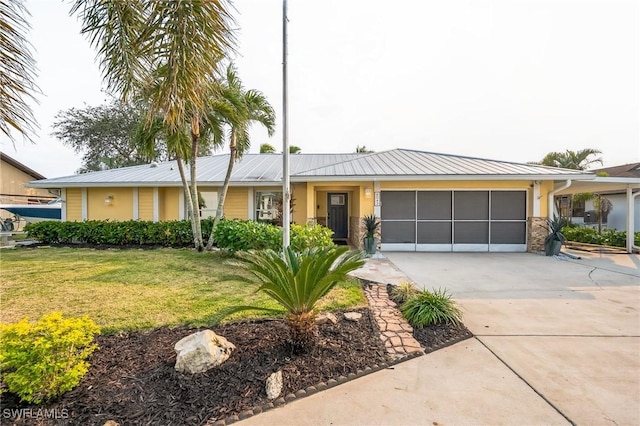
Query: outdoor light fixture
[(367, 192), (108, 200)]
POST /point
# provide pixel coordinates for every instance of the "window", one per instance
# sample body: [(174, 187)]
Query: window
[(210, 199), (267, 205)]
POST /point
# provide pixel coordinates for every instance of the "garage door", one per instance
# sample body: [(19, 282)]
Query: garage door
[(454, 220)]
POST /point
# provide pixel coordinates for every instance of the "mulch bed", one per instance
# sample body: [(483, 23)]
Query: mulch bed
[(132, 379)]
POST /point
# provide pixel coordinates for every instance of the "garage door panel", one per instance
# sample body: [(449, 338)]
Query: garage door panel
[(471, 205), (398, 232), (398, 205), (471, 233), (508, 232), (434, 205), (508, 205), (434, 232)]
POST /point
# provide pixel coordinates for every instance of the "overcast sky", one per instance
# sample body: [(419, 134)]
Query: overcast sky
[(506, 80)]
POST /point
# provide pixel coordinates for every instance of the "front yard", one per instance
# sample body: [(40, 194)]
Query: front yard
[(133, 289)]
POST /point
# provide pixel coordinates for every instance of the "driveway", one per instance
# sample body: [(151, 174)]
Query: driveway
[(569, 329), (556, 342)]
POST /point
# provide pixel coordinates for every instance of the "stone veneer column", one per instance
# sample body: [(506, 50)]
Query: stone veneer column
[(537, 231), (357, 232)]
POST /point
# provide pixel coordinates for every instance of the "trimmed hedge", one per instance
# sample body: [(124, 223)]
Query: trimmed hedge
[(237, 235), (233, 235), (608, 237)]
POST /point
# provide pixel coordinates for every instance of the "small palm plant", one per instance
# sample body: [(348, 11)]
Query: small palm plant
[(297, 281), (430, 308)]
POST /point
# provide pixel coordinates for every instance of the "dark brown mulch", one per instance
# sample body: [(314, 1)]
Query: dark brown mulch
[(132, 378), (438, 336)]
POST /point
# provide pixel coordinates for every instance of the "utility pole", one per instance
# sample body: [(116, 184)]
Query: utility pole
[(286, 184)]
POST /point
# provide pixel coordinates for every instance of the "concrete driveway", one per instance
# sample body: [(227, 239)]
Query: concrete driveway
[(569, 329), (556, 342)]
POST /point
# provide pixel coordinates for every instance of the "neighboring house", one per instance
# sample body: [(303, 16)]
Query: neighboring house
[(13, 177), (426, 201), (617, 217)]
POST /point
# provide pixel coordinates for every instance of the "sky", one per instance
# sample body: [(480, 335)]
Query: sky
[(506, 80)]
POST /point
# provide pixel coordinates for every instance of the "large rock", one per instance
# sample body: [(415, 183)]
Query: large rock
[(325, 318), (201, 351), (353, 316), (274, 385)]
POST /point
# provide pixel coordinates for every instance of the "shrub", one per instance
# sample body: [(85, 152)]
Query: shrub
[(242, 235), (609, 237), (403, 292), (431, 307), (234, 235), (43, 360), (297, 281)]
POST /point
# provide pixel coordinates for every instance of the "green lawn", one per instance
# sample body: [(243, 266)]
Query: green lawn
[(133, 289)]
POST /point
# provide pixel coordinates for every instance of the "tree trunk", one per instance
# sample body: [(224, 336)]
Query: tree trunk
[(187, 192), (195, 137), (223, 193)]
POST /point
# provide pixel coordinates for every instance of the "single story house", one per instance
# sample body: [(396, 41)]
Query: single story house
[(426, 201)]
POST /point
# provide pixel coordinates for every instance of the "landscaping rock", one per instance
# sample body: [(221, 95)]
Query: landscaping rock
[(201, 351), (274, 385), (353, 316), (111, 423), (325, 318)]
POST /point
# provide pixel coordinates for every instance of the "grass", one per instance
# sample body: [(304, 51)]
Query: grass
[(134, 289)]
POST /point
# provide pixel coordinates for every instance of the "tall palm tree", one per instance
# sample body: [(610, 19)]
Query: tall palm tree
[(170, 52), (17, 72), (266, 148), (248, 107), (576, 160)]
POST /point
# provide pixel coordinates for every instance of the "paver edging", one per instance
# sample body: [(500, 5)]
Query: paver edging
[(310, 390)]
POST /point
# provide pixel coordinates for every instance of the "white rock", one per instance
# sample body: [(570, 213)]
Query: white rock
[(325, 318), (201, 351), (274, 385), (353, 316)]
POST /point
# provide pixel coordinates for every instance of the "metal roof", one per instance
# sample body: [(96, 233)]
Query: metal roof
[(266, 169)]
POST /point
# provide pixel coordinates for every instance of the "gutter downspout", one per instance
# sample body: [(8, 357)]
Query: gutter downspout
[(631, 197), (550, 204)]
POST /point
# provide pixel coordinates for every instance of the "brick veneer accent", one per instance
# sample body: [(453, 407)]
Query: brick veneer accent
[(536, 233)]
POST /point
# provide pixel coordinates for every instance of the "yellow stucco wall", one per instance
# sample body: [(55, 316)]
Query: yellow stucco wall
[(145, 203), (236, 204), (299, 193), (169, 203), (73, 204), (121, 207), (12, 182)]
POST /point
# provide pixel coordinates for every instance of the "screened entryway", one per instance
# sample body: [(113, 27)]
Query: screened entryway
[(461, 220)]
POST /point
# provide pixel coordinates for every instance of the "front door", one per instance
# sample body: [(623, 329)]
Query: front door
[(337, 214)]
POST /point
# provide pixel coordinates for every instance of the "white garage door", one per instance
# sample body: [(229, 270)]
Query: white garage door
[(454, 220)]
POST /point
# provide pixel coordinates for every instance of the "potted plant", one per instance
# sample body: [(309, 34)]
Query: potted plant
[(553, 242), (371, 224)]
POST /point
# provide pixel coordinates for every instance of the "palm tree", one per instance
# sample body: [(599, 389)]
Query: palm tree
[(576, 160), (266, 148), (245, 108), (143, 50), (297, 281), (17, 72), (362, 149), (294, 149)]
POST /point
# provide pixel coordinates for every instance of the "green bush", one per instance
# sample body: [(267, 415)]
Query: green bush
[(43, 360), (132, 232), (241, 235), (431, 307), (403, 292), (608, 237)]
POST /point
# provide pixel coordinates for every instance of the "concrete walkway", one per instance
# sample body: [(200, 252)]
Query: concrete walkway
[(557, 342)]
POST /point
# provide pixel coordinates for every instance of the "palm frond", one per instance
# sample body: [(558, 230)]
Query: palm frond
[(17, 72)]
